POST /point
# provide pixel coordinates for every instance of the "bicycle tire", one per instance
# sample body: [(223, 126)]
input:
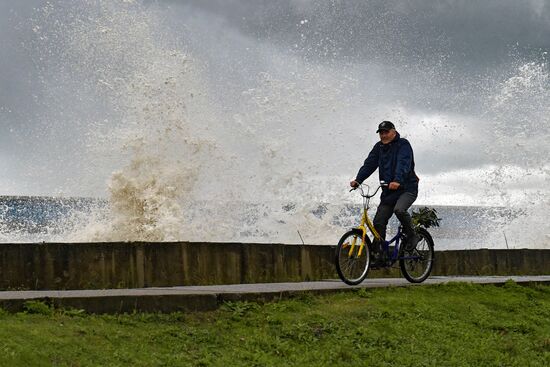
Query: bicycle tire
[(347, 265), (425, 249)]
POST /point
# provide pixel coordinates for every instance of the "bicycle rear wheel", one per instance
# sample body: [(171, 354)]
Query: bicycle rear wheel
[(351, 266), (417, 264)]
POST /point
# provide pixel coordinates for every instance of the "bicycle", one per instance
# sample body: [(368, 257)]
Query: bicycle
[(353, 260)]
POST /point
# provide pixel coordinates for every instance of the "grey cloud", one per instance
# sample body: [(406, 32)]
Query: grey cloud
[(463, 31), (441, 55), (433, 56)]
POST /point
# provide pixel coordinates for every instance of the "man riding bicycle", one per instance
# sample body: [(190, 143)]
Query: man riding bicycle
[(393, 156)]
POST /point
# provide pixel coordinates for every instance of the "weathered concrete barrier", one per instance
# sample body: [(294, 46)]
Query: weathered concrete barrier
[(136, 265), (493, 262), (132, 265)]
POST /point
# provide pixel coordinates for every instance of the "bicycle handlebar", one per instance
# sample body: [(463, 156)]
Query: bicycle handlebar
[(382, 184)]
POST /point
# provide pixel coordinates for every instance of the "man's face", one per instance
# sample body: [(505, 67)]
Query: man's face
[(387, 136)]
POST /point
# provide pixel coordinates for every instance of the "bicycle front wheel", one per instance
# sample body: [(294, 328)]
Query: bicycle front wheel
[(416, 265), (352, 266)]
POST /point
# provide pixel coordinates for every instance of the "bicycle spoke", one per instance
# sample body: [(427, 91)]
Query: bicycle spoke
[(349, 266)]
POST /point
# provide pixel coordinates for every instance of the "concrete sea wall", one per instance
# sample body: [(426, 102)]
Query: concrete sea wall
[(136, 265)]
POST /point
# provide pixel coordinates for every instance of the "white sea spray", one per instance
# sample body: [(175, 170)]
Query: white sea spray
[(200, 133)]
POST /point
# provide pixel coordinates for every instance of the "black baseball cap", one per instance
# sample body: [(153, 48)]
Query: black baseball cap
[(385, 125)]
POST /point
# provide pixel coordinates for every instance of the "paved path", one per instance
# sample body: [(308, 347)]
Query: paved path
[(203, 298)]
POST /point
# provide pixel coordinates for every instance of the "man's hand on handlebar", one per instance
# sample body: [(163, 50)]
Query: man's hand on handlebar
[(391, 186), (394, 185)]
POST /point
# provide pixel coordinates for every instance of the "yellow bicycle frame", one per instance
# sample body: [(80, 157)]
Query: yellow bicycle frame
[(365, 223)]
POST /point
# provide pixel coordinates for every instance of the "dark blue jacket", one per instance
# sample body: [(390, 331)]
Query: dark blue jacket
[(395, 163)]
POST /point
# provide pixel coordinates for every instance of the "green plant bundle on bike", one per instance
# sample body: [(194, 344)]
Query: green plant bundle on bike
[(354, 252)]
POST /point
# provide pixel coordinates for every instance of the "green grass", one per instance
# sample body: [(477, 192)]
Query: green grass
[(445, 325)]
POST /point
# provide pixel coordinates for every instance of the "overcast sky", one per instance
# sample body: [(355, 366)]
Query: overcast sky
[(432, 66)]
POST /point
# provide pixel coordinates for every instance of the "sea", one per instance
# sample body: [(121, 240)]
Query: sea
[(36, 219)]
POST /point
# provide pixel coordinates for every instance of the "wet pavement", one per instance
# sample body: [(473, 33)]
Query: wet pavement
[(203, 298)]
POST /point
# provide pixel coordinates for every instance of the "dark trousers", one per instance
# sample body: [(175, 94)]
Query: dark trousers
[(385, 211)]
